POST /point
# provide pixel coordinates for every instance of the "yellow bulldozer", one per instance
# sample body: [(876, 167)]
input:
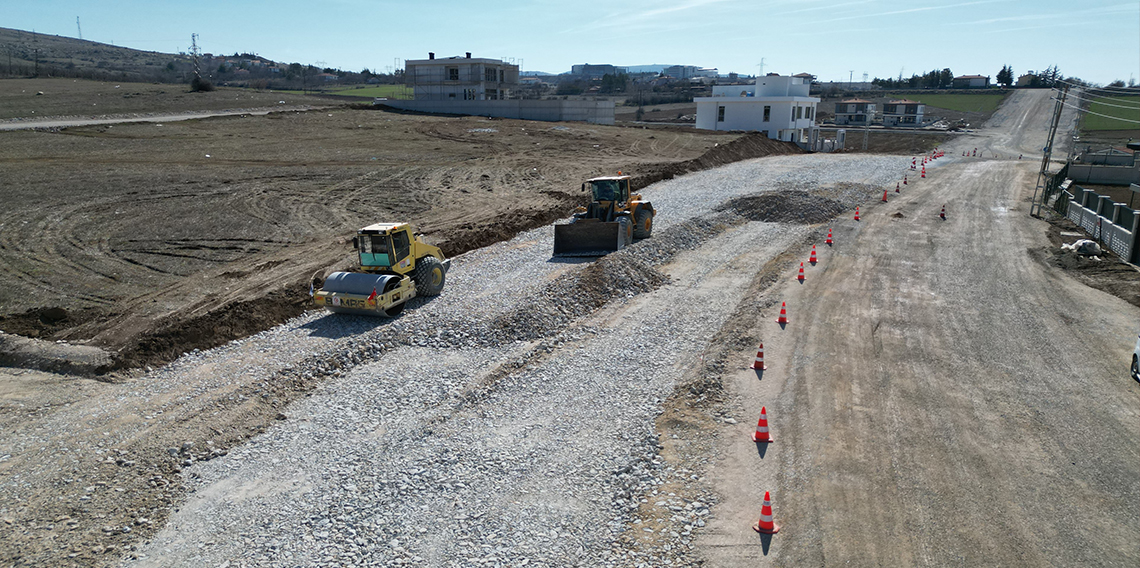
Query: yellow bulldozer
[(612, 220), (395, 266)]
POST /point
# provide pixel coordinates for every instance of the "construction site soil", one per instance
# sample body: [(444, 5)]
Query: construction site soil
[(1105, 272), (150, 240)]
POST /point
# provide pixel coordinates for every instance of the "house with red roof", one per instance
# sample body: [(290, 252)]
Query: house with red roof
[(971, 82)]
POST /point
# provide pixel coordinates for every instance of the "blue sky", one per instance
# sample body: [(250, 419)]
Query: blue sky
[(1096, 40)]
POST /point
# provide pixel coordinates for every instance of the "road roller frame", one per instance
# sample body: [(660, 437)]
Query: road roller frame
[(395, 265)]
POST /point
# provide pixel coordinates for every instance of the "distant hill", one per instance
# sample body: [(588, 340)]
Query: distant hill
[(28, 54)]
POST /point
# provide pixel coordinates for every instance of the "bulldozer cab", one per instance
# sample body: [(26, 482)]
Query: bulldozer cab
[(384, 247), (609, 189)]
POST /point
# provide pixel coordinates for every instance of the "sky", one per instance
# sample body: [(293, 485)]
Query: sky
[(1098, 41)]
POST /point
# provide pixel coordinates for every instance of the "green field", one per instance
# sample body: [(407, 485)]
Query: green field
[(390, 91), (961, 103), (1094, 122)]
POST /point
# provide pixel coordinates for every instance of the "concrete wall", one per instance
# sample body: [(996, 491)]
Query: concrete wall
[(595, 112), (1113, 224), (1103, 175)]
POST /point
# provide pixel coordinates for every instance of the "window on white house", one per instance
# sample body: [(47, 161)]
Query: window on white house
[(767, 113), (720, 114), (452, 73)]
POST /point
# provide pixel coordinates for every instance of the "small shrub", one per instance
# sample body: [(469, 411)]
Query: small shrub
[(200, 85)]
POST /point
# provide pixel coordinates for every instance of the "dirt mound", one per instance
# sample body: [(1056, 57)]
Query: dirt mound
[(790, 207), (566, 299), (234, 321)]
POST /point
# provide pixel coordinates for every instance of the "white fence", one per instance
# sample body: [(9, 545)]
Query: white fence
[(1113, 224)]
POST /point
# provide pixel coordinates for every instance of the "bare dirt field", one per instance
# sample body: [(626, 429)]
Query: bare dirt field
[(152, 239), (25, 100)]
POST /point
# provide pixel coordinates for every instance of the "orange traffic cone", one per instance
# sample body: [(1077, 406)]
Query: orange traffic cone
[(801, 276), (943, 213), (896, 187), (904, 179), (766, 524), (828, 241), (923, 172), (758, 364), (783, 313), (884, 196), (856, 213), (812, 259), (761, 435)]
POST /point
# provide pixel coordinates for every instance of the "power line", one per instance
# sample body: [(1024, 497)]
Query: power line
[(1079, 109), (1080, 86), (1094, 100)]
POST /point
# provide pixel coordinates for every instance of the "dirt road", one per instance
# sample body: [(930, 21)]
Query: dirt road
[(940, 397), (75, 122)]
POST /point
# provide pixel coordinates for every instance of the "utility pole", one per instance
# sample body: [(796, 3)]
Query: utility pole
[(850, 78), (194, 51), (761, 66), (1034, 206), (78, 28)]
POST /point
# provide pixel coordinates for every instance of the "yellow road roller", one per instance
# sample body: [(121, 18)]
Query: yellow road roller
[(395, 266)]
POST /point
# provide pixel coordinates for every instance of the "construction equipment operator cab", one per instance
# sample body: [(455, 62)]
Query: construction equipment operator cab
[(609, 189), (382, 246)]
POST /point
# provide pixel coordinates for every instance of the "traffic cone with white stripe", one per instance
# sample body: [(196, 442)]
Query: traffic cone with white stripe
[(812, 259), (896, 187), (801, 276), (923, 172), (884, 195), (758, 364), (942, 215), (766, 524), (904, 179), (828, 241), (783, 319), (761, 435), (856, 212)]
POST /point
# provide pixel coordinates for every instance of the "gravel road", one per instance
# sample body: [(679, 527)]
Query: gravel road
[(509, 420)]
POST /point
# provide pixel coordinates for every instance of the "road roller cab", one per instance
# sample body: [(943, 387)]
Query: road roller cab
[(395, 266)]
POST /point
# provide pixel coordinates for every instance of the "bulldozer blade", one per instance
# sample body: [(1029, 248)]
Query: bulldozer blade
[(588, 238)]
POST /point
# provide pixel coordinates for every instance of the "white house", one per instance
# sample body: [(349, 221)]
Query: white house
[(971, 82), (460, 78), (777, 106), (903, 113)]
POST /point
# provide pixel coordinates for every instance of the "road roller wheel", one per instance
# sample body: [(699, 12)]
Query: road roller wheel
[(429, 276)]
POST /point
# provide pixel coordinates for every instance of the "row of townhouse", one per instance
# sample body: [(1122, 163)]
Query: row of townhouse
[(859, 112)]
